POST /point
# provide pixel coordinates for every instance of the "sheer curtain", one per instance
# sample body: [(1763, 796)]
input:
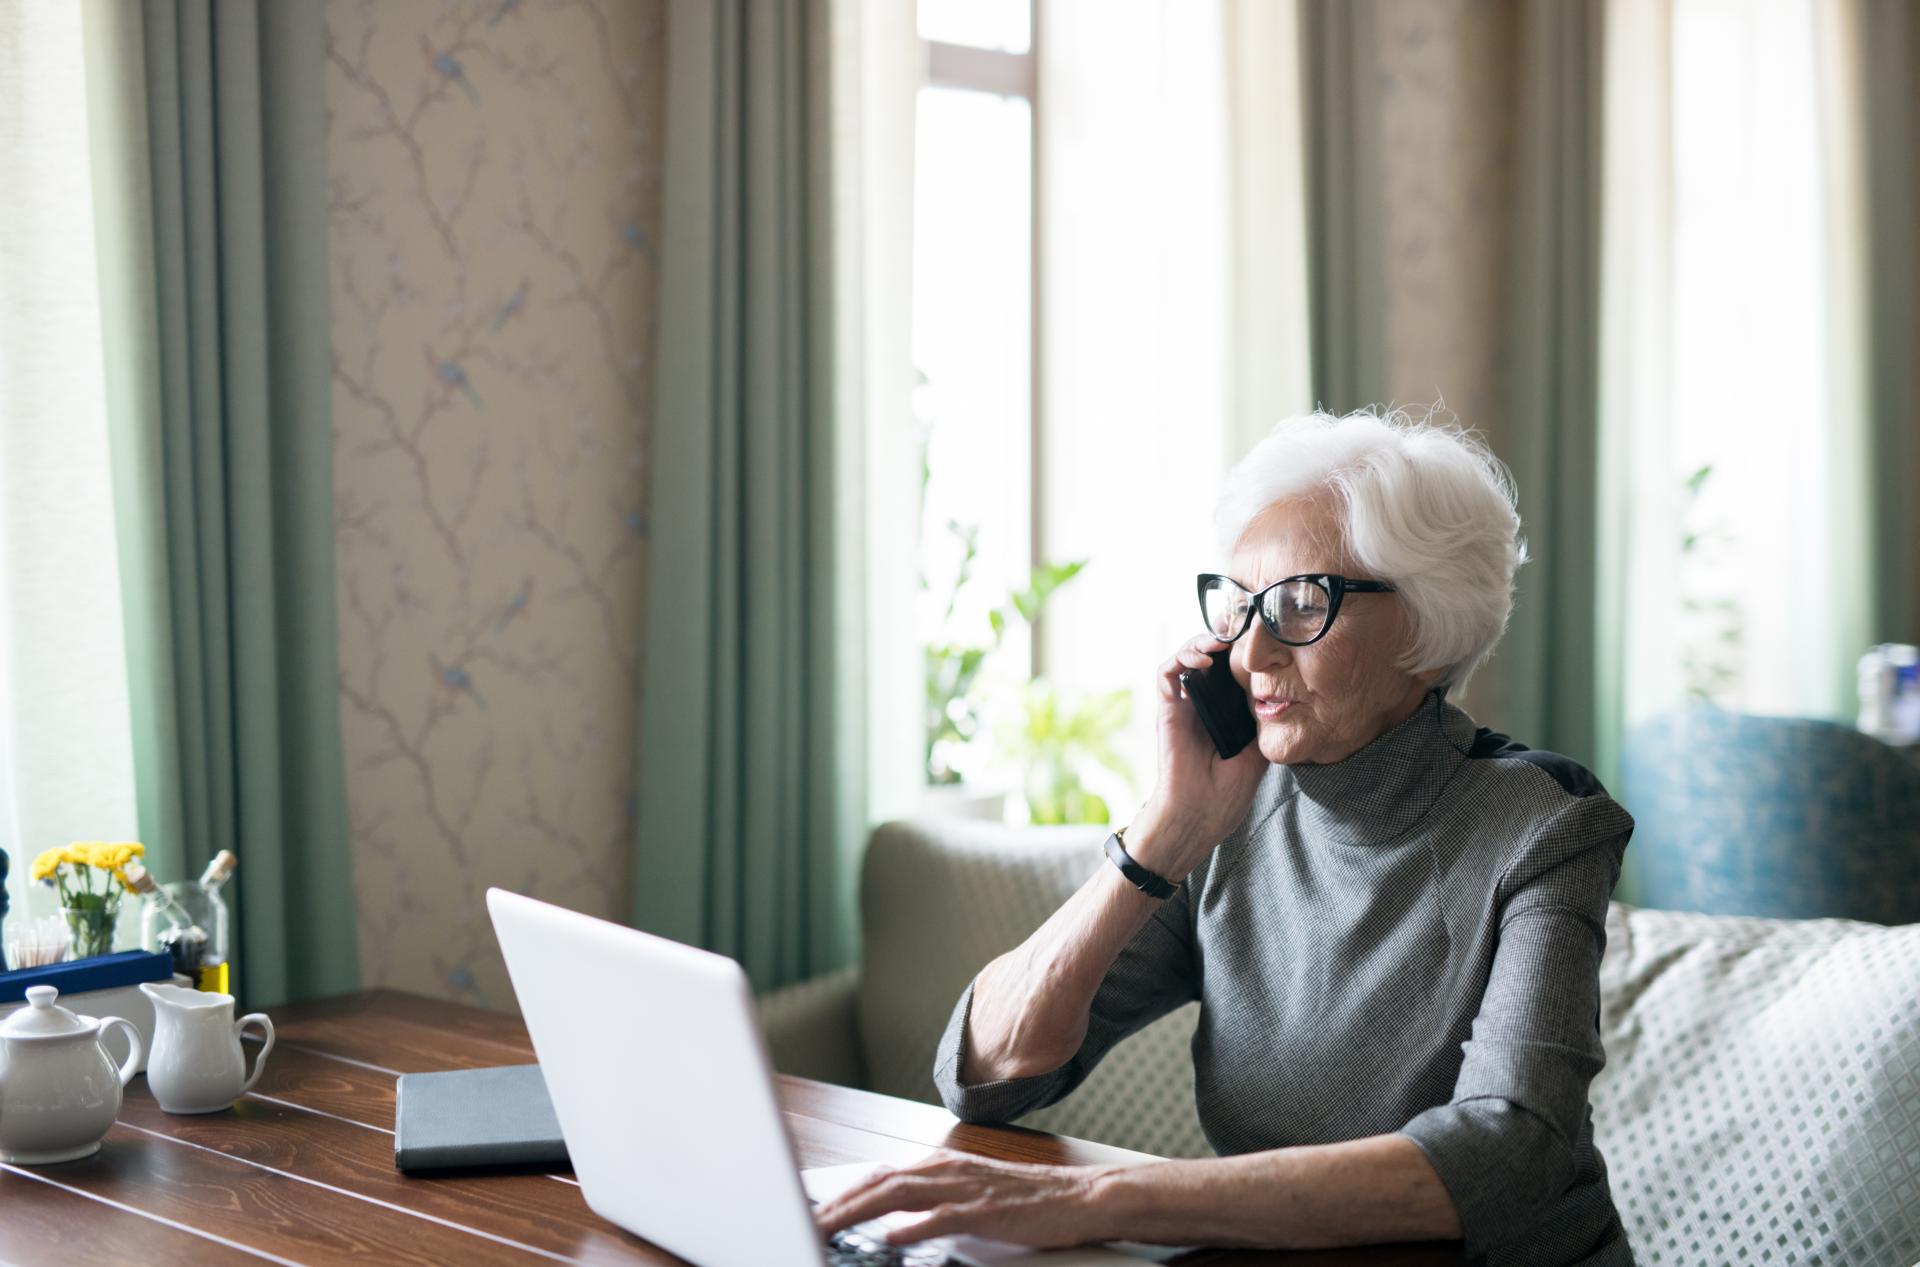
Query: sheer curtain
[(66, 756), (1171, 260), (1738, 448)]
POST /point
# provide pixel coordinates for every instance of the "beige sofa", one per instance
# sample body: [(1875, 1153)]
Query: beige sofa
[(1761, 1100)]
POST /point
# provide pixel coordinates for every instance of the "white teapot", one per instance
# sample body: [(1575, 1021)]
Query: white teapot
[(59, 1090)]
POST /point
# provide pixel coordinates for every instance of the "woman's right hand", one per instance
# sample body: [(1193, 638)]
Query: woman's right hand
[(1197, 798)]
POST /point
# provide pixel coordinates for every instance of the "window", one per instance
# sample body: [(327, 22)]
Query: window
[(1738, 455), (1074, 237), (1749, 354), (66, 761), (972, 345)]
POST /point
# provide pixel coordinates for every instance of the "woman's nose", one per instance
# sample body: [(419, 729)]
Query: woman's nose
[(1263, 651)]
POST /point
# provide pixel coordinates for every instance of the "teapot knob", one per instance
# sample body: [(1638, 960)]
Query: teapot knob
[(42, 996)]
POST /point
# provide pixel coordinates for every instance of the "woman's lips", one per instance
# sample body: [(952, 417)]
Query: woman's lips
[(1267, 707)]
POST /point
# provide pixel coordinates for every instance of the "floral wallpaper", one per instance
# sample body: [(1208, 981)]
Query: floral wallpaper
[(494, 170)]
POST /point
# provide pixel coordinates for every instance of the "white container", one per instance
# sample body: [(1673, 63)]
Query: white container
[(197, 1064), (59, 1094), (1876, 694)]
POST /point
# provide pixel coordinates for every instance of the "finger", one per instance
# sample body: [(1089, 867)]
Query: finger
[(832, 1215), (939, 1161), (945, 1161), (852, 1216), (1199, 653), (1194, 652), (1194, 656), (944, 1220), (1171, 691), (865, 1183), (897, 1192), (1182, 662)]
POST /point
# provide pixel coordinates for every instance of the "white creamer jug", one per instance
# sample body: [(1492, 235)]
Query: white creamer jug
[(59, 1090), (197, 1065)]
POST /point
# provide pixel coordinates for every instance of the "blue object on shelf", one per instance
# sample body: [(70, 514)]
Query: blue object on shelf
[(1788, 817), (102, 972)]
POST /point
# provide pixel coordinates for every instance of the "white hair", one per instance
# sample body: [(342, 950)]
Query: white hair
[(1424, 506)]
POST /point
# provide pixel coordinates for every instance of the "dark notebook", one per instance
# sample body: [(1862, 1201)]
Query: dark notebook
[(475, 1117)]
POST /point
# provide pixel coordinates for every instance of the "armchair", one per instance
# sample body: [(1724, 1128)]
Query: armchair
[(1761, 1099)]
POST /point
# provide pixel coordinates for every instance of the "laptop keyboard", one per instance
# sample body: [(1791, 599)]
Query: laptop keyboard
[(852, 1248)]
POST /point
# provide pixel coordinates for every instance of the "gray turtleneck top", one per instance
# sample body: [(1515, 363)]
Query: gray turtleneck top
[(1405, 941)]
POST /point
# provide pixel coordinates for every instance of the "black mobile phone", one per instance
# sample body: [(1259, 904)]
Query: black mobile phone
[(1222, 705)]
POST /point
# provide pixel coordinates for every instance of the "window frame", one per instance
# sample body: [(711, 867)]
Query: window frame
[(997, 72)]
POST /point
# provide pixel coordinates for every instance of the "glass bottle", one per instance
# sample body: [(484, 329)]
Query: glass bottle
[(166, 923), (216, 973), (161, 905), (189, 920)]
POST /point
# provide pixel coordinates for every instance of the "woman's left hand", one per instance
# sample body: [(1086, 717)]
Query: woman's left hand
[(1044, 1206)]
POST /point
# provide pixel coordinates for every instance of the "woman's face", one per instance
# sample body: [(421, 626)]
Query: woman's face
[(1324, 702)]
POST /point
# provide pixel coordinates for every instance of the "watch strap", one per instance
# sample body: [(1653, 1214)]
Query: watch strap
[(1151, 883)]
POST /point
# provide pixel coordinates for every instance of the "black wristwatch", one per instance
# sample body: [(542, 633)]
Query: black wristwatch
[(1148, 882)]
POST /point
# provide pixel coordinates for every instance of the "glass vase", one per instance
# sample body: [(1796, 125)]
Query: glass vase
[(91, 920)]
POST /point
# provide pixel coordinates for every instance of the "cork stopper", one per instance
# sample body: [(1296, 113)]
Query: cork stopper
[(219, 869), (138, 878)]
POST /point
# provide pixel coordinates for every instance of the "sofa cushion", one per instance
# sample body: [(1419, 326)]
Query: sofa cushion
[(1761, 1099), (939, 899)]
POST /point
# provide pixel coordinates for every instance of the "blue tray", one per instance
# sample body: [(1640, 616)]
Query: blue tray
[(102, 972)]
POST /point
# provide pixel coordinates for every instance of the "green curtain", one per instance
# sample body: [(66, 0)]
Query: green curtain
[(748, 813), (1531, 69), (1547, 668), (1347, 268), (1888, 55), (209, 127)]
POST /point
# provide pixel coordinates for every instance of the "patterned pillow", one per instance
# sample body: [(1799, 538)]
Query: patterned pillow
[(1761, 1100)]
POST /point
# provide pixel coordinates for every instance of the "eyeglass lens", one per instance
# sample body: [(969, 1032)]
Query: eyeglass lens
[(1295, 612)]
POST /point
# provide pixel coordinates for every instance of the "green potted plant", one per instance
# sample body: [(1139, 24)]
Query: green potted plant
[(1055, 744), (1043, 747)]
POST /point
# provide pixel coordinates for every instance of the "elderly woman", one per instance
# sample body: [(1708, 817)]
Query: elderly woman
[(1393, 919)]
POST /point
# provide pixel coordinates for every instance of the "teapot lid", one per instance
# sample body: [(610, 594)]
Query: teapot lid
[(43, 1018)]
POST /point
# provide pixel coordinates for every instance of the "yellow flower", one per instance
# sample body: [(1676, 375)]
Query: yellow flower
[(107, 855), (48, 862), (112, 856)]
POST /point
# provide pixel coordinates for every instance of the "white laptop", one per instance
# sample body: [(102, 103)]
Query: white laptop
[(664, 1092)]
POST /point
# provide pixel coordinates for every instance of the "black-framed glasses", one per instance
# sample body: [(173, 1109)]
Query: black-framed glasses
[(1297, 610)]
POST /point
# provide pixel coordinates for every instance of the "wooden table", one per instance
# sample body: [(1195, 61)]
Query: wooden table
[(301, 1170)]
